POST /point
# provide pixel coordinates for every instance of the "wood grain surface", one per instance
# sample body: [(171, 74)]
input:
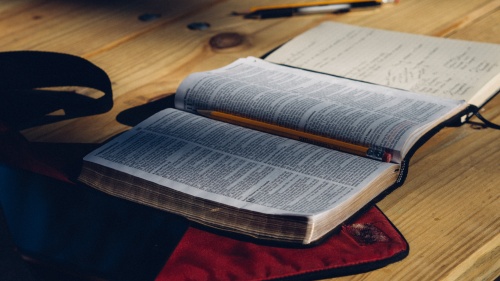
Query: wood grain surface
[(449, 207)]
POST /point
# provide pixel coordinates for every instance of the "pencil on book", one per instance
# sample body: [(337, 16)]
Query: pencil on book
[(370, 152)]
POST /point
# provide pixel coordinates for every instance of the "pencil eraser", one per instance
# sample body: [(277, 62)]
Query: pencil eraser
[(387, 157)]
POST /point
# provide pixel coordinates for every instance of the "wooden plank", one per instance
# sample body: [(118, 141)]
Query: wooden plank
[(421, 17), (85, 27), (482, 31), (476, 266), (447, 209), (15, 7)]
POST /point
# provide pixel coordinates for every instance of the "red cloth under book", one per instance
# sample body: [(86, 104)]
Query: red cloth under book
[(369, 242)]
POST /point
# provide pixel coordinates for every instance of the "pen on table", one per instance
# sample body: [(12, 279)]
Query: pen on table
[(370, 152), (287, 10)]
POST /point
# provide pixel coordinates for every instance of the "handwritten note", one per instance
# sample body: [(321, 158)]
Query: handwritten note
[(436, 66)]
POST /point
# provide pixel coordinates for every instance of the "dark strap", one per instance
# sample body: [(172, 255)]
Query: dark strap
[(486, 123), (24, 73)]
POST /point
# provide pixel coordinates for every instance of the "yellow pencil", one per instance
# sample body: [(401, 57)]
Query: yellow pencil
[(301, 8), (374, 153), (309, 4)]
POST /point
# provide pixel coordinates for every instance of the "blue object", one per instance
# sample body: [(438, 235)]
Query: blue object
[(84, 231)]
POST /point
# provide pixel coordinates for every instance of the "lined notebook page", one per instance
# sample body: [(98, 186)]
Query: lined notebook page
[(456, 69)]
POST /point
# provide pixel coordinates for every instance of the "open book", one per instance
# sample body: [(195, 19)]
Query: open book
[(261, 184)]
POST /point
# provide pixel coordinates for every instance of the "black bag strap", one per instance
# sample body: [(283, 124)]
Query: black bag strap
[(24, 73)]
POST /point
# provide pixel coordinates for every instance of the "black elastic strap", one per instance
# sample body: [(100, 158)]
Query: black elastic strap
[(486, 122)]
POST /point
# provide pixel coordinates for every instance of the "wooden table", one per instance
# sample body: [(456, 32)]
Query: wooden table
[(449, 207)]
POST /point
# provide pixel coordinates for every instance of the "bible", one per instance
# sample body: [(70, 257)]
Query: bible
[(259, 182)]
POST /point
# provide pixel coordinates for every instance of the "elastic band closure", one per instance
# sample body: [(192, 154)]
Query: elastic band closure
[(486, 122)]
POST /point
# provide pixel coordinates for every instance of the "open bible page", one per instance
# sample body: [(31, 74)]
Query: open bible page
[(455, 69), (238, 166), (342, 109)]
